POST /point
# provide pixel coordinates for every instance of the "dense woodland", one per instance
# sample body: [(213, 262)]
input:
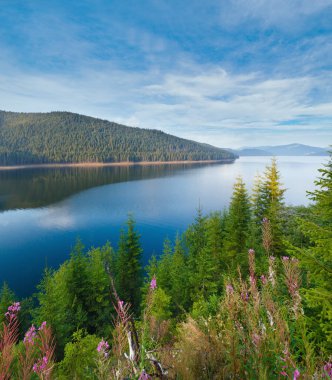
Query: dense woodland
[(245, 293), (58, 137)]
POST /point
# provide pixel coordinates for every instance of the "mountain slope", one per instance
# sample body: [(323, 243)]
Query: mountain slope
[(284, 150), (64, 137)]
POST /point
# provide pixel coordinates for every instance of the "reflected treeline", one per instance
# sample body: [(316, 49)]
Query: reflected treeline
[(31, 188)]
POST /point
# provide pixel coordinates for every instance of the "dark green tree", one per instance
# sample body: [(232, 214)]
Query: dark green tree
[(268, 195), (7, 297), (237, 226), (317, 259), (129, 267), (178, 278)]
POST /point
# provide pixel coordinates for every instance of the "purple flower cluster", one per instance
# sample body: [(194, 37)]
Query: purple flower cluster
[(103, 346), (42, 326), (296, 374), (30, 335), (13, 310), (328, 369), (41, 365), (153, 283)]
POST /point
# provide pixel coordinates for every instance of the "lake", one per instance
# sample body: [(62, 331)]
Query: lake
[(44, 211)]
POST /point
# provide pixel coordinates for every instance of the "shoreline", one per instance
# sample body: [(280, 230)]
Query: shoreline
[(110, 164)]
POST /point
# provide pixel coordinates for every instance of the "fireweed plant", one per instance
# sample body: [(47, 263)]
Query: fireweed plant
[(34, 355)]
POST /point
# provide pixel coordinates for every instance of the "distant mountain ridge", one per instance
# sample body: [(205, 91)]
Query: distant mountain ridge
[(282, 150), (65, 137)]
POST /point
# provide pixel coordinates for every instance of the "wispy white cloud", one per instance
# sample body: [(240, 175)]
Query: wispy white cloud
[(185, 104), (288, 15)]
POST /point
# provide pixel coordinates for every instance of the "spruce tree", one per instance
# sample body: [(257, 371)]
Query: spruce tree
[(317, 259), (164, 267), (79, 286), (178, 277), (268, 203), (129, 267), (205, 277), (237, 226)]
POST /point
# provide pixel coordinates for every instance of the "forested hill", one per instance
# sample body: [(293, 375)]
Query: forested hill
[(64, 137)]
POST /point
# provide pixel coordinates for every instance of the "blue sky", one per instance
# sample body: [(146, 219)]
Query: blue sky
[(230, 72)]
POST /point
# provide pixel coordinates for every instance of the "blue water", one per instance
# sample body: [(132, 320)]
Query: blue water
[(44, 211)]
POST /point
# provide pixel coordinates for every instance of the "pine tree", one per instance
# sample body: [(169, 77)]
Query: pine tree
[(237, 226), (205, 277), (268, 203), (78, 285), (178, 277), (129, 267), (317, 259), (54, 305), (164, 267)]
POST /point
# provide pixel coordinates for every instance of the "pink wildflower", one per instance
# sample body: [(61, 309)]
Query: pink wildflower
[(42, 326), (13, 310), (272, 258), (30, 335), (251, 251), (285, 258), (283, 373), (41, 365), (103, 346), (229, 289), (153, 284), (296, 374)]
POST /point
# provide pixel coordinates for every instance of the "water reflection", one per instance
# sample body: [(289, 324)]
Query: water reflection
[(32, 188)]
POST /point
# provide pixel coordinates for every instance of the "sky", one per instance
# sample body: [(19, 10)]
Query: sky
[(230, 73)]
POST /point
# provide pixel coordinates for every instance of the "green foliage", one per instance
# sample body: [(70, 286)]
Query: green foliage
[(80, 358), (63, 137), (161, 305), (77, 295)]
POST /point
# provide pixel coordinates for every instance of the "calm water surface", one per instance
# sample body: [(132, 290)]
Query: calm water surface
[(44, 211)]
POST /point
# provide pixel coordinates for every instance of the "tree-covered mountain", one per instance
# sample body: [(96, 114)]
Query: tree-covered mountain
[(64, 137)]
